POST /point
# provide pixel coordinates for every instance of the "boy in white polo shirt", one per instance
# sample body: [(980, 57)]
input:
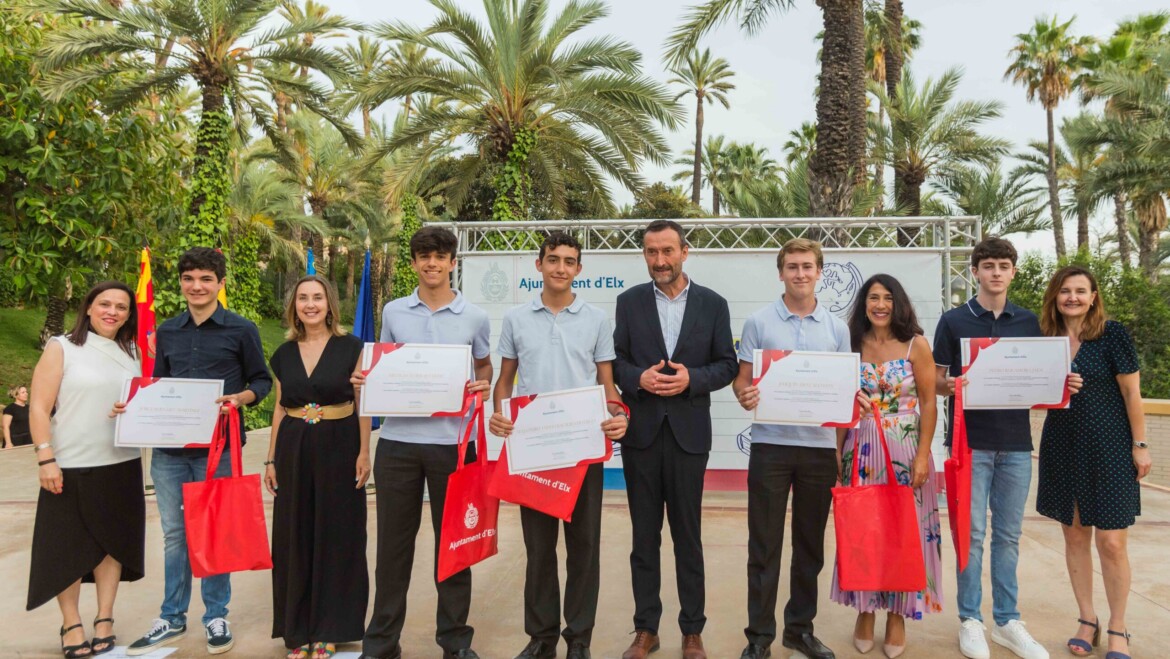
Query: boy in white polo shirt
[(557, 342), (414, 451)]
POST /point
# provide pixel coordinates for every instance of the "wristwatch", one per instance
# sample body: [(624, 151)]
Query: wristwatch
[(1138, 444)]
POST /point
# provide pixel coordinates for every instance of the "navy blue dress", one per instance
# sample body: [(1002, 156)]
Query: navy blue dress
[(1086, 451)]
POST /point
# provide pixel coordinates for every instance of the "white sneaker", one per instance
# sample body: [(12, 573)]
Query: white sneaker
[(972, 642), (1016, 638)]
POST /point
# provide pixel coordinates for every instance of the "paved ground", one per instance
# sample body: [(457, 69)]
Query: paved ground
[(496, 611)]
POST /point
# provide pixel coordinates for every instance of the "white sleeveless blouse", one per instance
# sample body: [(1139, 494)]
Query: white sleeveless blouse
[(82, 431)]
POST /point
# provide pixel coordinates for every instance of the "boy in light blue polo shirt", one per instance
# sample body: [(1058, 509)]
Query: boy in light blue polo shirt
[(800, 458), (414, 451), (557, 342)]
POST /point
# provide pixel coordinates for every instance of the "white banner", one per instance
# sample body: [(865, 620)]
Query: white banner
[(748, 280)]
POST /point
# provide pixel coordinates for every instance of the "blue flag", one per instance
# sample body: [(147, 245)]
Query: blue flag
[(363, 317), (311, 269)]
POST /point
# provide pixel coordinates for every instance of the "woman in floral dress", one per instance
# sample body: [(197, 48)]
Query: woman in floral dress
[(898, 376)]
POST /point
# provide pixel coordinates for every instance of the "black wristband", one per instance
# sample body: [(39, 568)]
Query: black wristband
[(45, 462), (269, 462)]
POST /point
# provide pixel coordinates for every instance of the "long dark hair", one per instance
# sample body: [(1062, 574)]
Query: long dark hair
[(903, 320), (126, 334)]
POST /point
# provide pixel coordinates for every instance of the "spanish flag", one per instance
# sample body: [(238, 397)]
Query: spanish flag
[(144, 298)]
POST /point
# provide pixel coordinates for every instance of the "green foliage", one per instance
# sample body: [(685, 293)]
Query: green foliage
[(659, 201), (513, 183), (405, 278), (206, 223), (1129, 298), (244, 277)]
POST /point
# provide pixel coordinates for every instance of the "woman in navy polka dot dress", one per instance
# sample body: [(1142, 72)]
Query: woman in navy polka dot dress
[(1093, 454)]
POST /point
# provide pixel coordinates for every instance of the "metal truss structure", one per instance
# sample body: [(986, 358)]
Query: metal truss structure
[(952, 237)]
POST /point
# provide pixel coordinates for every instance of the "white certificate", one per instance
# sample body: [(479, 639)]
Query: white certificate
[(805, 388), (556, 429), (168, 413), (1016, 373), (414, 379)]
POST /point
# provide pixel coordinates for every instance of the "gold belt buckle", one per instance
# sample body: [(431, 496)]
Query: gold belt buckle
[(313, 413)]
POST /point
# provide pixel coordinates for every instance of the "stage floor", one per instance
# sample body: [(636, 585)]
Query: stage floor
[(497, 607)]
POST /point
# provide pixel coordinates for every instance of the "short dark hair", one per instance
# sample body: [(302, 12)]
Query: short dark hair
[(204, 258), (903, 321), (127, 333), (559, 239), (993, 247), (433, 239), (664, 225)]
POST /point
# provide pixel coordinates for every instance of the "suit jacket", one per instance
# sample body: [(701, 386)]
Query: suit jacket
[(705, 347)]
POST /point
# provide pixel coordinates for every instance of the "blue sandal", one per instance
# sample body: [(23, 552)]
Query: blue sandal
[(1115, 654), (1081, 647)]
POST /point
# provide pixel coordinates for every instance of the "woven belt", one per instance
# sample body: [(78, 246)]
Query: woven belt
[(313, 413)]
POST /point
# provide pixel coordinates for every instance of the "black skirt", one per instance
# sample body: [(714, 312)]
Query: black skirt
[(100, 511)]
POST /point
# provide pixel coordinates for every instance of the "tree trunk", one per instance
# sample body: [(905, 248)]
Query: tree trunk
[(892, 39), (1121, 218), (1151, 213), (1082, 228), (841, 130), (349, 273), (205, 154), (1053, 191), (367, 128), (376, 284), (696, 178), (333, 260), (879, 170), (714, 201), (909, 199), (54, 318)]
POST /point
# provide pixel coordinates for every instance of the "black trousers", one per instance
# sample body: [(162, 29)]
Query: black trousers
[(772, 471), (659, 475), (400, 469), (542, 588)]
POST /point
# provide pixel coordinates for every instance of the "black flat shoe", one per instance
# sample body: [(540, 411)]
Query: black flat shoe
[(74, 651), (107, 641), (808, 645)]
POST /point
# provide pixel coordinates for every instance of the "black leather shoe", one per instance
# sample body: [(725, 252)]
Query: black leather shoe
[(537, 649), (808, 645), (465, 653), (396, 654), (578, 651), (753, 651)]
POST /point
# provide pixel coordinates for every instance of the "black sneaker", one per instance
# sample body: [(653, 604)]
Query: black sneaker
[(161, 633), (537, 649), (219, 637)]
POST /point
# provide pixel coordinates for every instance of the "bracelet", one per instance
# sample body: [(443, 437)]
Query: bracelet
[(269, 462), (41, 447), (45, 462)]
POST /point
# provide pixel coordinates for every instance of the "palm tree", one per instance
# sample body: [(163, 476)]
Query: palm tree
[(713, 162), (887, 49), (801, 143), (1045, 62), (930, 133), (1008, 203), (1136, 133), (746, 170), (231, 49), (1076, 171), (841, 121), (364, 59), (531, 104), (708, 79)]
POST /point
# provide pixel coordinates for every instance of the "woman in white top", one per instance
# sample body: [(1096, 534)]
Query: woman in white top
[(91, 516)]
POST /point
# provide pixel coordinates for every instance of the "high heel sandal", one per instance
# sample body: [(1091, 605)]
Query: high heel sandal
[(1115, 654), (324, 650), (303, 652), (1079, 646), (107, 641), (71, 651)]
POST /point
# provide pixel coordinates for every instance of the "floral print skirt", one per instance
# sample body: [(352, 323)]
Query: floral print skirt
[(902, 436)]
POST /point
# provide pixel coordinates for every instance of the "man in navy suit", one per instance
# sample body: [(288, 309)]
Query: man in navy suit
[(674, 347)]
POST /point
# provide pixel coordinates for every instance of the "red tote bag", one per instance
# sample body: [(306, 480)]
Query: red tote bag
[(957, 471), (470, 513), (553, 492), (879, 544), (225, 516)]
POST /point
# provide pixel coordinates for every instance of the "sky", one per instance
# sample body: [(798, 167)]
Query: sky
[(776, 69)]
